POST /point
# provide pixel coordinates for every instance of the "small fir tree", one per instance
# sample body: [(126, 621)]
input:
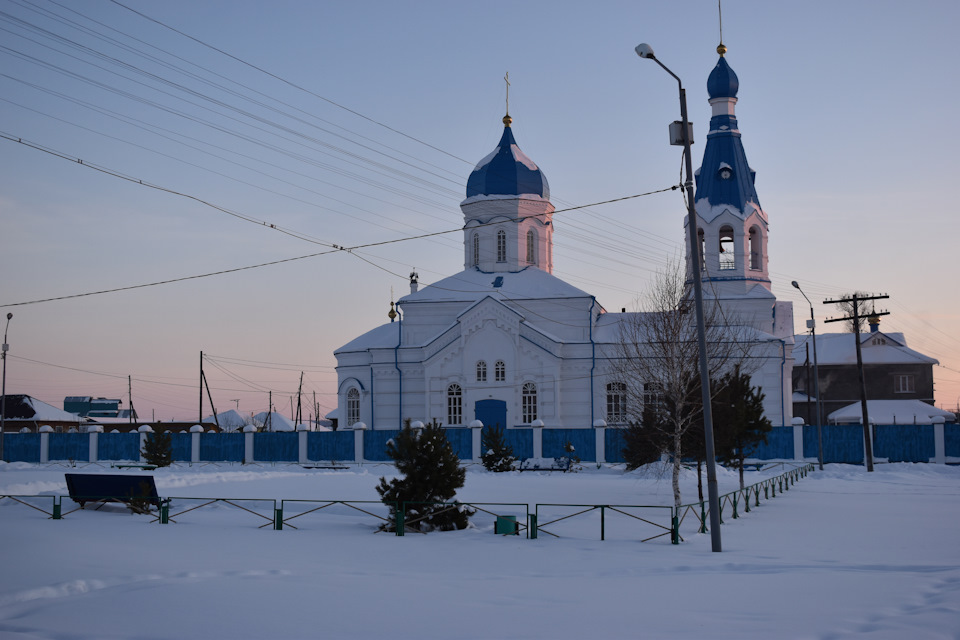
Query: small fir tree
[(431, 476), (157, 449), (498, 455), (645, 441), (738, 420)]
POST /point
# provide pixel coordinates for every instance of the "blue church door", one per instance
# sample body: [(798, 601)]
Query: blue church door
[(491, 413)]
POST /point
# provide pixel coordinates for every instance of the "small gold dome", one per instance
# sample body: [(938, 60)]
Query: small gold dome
[(507, 120), (392, 314), (721, 49)]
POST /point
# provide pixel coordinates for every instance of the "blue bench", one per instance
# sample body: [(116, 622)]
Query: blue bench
[(139, 493)]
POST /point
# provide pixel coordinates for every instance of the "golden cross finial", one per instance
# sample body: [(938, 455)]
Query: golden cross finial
[(506, 79)]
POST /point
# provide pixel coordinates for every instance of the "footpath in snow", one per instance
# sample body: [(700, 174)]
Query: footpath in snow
[(843, 553)]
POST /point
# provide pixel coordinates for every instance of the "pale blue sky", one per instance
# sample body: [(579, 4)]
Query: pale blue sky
[(847, 112)]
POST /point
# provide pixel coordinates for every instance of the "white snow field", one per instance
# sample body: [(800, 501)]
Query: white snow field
[(843, 553)]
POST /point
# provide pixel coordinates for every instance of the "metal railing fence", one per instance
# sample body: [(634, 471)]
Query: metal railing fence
[(653, 522)]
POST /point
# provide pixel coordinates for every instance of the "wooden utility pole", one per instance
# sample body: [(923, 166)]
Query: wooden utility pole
[(856, 299), (133, 413), (200, 416), (299, 417)]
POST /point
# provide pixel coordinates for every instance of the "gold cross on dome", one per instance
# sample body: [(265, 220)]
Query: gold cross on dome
[(506, 79)]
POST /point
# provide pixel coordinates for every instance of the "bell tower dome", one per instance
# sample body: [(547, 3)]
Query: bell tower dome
[(733, 227), (507, 213)]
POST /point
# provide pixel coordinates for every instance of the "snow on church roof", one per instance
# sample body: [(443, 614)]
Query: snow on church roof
[(472, 284), (507, 171), (386, 336)]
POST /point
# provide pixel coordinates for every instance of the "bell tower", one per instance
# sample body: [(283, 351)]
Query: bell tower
[(733, 227), (508, 217)]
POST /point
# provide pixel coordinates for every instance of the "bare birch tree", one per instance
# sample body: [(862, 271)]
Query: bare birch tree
[(658, 362)]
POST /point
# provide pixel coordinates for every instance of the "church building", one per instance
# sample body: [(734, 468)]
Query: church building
[(506, 342)]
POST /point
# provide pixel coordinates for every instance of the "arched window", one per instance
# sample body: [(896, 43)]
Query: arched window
[(653, 397), (353, 407), (499, 371), (616, 403), (476, 249), (531, 246), (529, 404), (481, 371), (501, 246), (728, 257), (454, 405), (756, 262)]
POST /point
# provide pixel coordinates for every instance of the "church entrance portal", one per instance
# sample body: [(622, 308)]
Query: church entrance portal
[(491, 412)]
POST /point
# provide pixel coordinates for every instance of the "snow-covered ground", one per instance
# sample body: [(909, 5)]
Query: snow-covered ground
[(843, 553)]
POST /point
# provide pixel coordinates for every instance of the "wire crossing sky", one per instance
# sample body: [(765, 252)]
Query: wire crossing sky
[(356, 126)]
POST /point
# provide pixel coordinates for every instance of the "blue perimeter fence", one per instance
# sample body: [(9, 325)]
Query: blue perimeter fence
[(841, 443)]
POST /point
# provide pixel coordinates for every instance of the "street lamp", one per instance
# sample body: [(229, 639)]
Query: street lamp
[(811, 324), (3, 390), (713, 494)]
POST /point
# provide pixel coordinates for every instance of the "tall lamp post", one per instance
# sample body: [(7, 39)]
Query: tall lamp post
[(811, 324), (3, 390), (713, 494)]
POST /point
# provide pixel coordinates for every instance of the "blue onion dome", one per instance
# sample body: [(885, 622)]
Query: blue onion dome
[(507, 171), (723, 82)]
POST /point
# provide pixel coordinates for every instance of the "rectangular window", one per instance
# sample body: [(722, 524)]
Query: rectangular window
[(904, 384)]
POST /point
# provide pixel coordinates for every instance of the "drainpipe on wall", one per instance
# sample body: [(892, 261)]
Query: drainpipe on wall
[(783, 362), (396, 364), (593, 356)]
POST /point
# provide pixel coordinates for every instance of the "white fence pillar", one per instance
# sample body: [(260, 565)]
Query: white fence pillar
[(248, 447), (195, 432), (358, 429), (94, 446), (476, 442), (600, 432), (537, 438), (939, 442), (302, 447), (798, 438), (45, 444)]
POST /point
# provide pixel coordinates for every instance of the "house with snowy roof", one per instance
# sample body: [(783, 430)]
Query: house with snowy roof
[(898, 379), (506, 342), (25, 412)]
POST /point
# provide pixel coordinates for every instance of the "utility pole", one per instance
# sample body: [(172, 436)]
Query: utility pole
[(855, 300), (200, 415), (299, 417), (133, 413), (268, 423)]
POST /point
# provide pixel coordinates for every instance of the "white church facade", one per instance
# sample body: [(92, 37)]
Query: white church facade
[(506, 342)]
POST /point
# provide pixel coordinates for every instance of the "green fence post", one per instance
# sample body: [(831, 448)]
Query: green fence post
[(602, 524), (56, 508), (746, 503), (703, 518), (278, 518), (735, 516), (674, 527), (165, 511), (533, 526), (400, 517), (757, 494)]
